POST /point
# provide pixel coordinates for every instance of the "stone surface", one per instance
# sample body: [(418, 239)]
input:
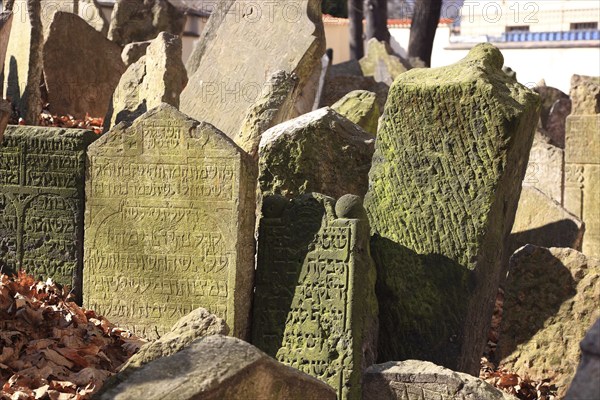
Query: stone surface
[(550, 300), (199, 323), (42, 202), (585, 95), (134, 51), (348, 68), (380, 63), (140, 20), (555, 128), (338, 86), (220, 10), (582, 159), (315, 307), (249, 45), (169, 224), (5, 113), (158, 77), (81, 67), (360, 107), (422, 380), (546, 168), (542, 221), (272, 107), (219, 367), (6, 18), (90, 11), (585, 384), (450, 156), (319, 152)]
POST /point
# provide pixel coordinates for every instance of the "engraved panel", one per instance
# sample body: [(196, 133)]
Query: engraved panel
[(168, 224), (41, 202), (311, 268)]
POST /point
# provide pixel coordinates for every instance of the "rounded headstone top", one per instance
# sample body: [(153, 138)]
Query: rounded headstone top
[(349, 206), (273, 206), (487, 54)]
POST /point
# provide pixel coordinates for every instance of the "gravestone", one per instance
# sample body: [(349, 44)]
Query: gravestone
[(319, 152), (582, 159), (140, 20), (81, 67), (450, 156), (169, 224), (360, 107), (134, 51), (251, 43), (6, 18), (550, 300), (41, 202), (585, 384), (157, 77), (556, 105), (380, 63), (91, 12), (338, 86), (546, 168), (541, 221), (219, 367), (422, 380), (314, 306)]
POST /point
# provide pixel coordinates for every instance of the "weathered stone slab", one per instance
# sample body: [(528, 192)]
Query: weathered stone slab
[(319, 152), (582, 159), (248, 46), (91, 13), (338, 86), (5, 113), (219, 367), (556, 105), (6, 18), (585, 384), (380, 63), (450, 156), (169, 224), (272, 107), (140, 20), (551, 298), (134, 51), (360, 107), (315, 307), (41, 202), (546, 168), (81, 67), (585, 94), (422, 380), (157, 77), (541, 221), (197, 324)]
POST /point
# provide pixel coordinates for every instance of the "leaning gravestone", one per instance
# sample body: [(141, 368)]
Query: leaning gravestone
[(41, 202), (321, 152), (360, 107), (81, 67), (550, 300), (219, 368), (422, 380), (315, 307), (250, 44), (450, 156), (546, 168), (380, 63), (582, 159), (169, 224)]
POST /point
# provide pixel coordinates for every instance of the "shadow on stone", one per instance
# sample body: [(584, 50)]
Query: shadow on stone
[(422, 299), (555, 234)]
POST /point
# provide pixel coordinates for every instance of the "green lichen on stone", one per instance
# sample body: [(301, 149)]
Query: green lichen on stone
[(319, 152), (380, 63), (450, 156), (315, 307), (360, 107), (169, 224), (42, 202)]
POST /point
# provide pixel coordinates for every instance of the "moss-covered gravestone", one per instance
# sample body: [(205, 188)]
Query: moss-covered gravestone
[(360, 107), (169, 224), (315, 307), (449, 159), (41, 202)]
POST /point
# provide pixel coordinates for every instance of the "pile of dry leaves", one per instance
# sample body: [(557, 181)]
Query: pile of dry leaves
[(68, 121), (50, 348)]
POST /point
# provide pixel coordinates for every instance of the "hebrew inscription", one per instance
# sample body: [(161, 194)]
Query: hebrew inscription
[(313, 266), (41, 202), (169, 224)]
